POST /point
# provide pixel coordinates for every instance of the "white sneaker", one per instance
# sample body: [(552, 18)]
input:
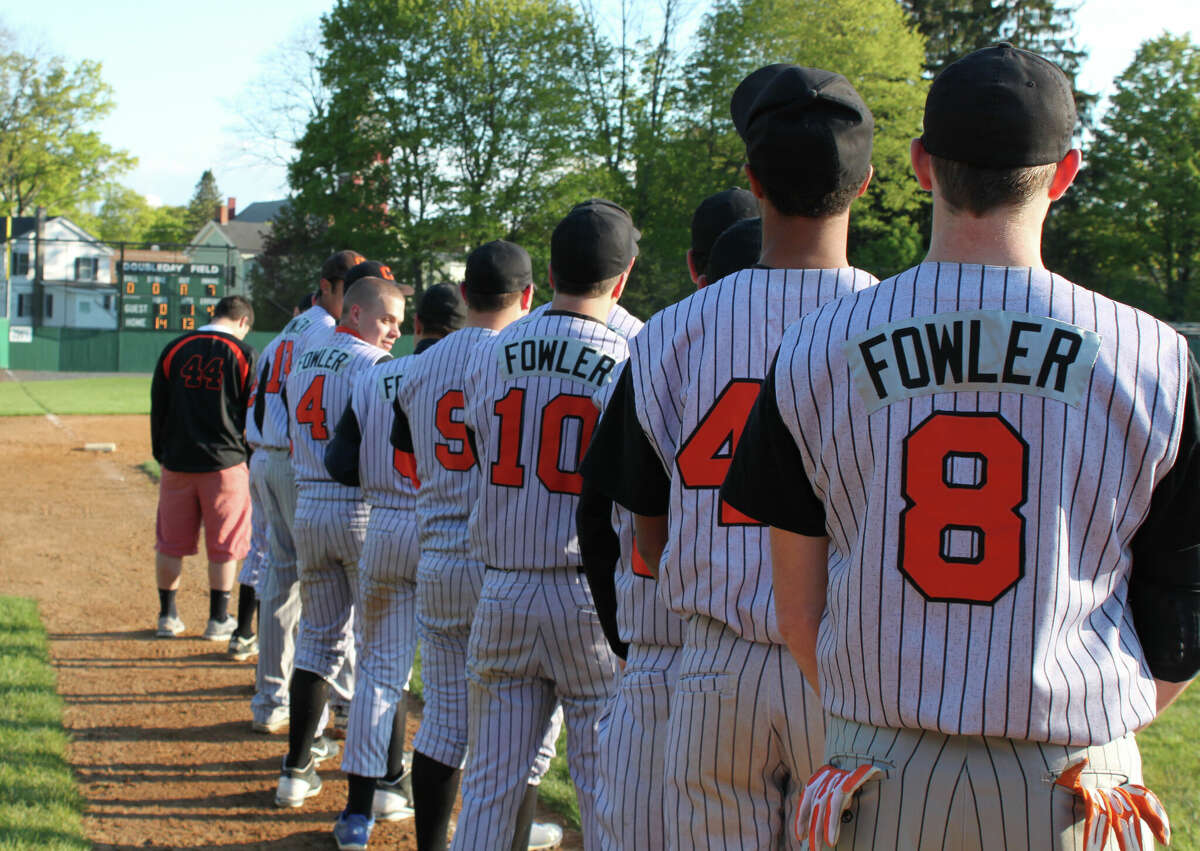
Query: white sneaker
[(276, 722), (392, 802), (169, 626), (296, 785), (220, 630), (241, 649), (544, 835)]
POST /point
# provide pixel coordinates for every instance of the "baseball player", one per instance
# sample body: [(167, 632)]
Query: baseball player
[(744, 731), (279, 595), (361, 454), (331, 518), (737, 248), (640, 629), (983, 484), (198, 399), (536, 637), (497, 289)]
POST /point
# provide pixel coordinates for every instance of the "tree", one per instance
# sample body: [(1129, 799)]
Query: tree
[(288, 266), (1137, 207), (48, 155), (203, 206), (125, 215)]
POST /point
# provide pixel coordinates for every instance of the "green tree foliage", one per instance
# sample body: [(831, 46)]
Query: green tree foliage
[(203, 206), (1132, 229), (289, 265), (124, 215), (48, 155)]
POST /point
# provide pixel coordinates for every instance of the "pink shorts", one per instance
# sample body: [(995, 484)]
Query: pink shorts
[(220, 498)]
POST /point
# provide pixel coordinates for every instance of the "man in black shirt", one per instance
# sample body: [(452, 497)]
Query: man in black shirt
[(198, 400)]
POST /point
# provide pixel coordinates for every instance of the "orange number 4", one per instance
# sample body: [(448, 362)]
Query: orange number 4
[(310, 411), (704, 458)]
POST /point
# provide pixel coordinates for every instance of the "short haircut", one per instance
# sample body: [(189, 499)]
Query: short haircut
[(793, 198), (367, 292), (491, 302), (978, 190), (587, 290), (306, 301), (234, 307)]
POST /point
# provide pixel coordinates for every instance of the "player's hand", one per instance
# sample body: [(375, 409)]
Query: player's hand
[(826, 797), (1121, 810)]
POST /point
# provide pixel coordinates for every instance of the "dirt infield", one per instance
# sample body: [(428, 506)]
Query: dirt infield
[(161, 741)]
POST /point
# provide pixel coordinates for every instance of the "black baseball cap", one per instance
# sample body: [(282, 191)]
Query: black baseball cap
[(336, 266), (1000, 107), (594, 242), (498, 266), (716, 213), (374, 269), (737, 248), (803, 126), (441, 306)]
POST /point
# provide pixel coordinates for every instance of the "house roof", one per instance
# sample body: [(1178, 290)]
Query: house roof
[(247, 237), (261, 211), (21, 225)]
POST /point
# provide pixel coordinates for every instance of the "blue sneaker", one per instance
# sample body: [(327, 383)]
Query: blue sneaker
[(352, 831)]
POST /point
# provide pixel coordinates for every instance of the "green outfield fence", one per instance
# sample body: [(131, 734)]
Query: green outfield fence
[(84, 350)]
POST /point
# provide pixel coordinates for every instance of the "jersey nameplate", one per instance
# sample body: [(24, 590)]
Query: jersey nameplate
[(560, 357), (297, 324), (386, 386), (327, 357), (973, 350)]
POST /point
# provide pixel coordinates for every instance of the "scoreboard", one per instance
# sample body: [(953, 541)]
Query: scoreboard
[(169, 296)]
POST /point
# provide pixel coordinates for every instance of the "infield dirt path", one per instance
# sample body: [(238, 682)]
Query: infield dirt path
[(161, 741)]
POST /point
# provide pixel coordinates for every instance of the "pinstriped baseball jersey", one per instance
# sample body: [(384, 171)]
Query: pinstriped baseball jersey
[(430, 400), (318, 390), (642, 616), (619, 319), (529, 402), (985, 441), (253, 433), (695, 371), (387, 480), (277, 361)]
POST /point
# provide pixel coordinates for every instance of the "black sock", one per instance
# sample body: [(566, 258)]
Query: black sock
[(218, 605), (362, 794), (395, 765), (525, 819), (306, 697), (166, 603), (247, 606), (435, 786)]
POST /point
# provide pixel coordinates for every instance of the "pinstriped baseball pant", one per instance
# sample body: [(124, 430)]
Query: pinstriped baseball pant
[(744, 736), (632, 738), (536, 636), (329, 539), (255, 562), (969, 793), (388, 641), (448, 587), (279, 591)]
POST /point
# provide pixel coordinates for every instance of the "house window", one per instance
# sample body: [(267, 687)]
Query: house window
[(20, 263), (49, 305), (86, 268), (22, 304), (108, 302)]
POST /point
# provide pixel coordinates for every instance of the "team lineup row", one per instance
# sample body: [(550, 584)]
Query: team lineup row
[(807, 559)]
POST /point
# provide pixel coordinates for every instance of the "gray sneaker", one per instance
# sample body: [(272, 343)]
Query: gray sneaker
[(219, 630), (241, 649), (393, 801), (169, 626), (323, 748), (276, 722), (296, 785)]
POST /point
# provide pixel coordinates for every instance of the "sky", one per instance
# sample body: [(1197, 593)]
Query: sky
[(180, 74)]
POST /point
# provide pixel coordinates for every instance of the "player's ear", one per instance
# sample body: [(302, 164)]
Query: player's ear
[(691, 261), (527, 298), (862, 190), (922, 167), (701, 281), (550, 275), (462, 290), (619, 288), (418, 326), (755, 186), (1064, 173)]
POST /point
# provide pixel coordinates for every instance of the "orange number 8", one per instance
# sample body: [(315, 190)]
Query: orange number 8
[(964, 477)]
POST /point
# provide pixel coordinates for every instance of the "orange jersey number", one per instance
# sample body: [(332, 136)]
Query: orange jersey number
[(311, 412), (704, 458)]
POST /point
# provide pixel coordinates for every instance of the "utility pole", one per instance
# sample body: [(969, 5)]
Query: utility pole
[(39, 268)]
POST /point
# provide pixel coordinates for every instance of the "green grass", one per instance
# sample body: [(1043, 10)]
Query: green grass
[(89, 396), (558, 792), (152, 469), (39, 804), (1171, 761)]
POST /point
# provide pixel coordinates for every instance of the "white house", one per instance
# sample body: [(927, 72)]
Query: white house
[(78, 286)]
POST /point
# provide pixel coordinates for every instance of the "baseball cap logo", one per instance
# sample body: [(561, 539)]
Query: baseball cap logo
[(385, 272)]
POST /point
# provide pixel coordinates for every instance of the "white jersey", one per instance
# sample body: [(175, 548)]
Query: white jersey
[(318, 390), (619, 319), (386, 477), (986, 442), (276, 362), (642, 616), (695, 371), (430, 426), (529, 402)]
